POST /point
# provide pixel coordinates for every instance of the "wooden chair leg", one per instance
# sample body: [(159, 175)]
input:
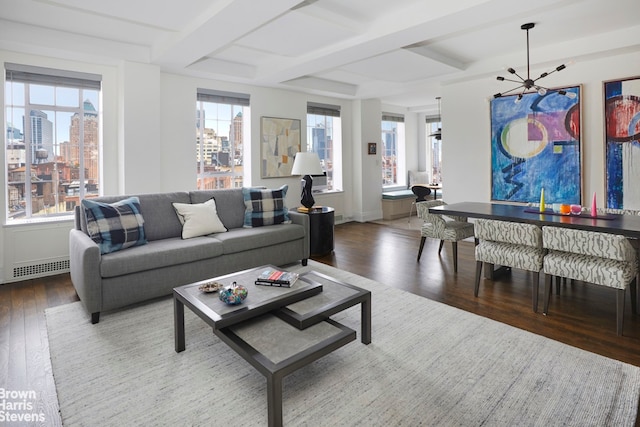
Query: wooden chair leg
[(454, 244), (547, 292), (441, 245), (478, 273), (422, 240), (536, 283), (633, 288), (619, 310)]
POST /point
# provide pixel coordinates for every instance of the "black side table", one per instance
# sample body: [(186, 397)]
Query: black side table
[(321, 221)]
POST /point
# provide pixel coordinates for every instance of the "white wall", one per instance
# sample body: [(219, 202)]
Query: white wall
[(466, 148)]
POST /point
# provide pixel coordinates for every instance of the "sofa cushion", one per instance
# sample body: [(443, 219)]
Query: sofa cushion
[(115, 226), (159, 253), (265, 206), (244, 239), (160, 218), (198, 219), (229, 203)]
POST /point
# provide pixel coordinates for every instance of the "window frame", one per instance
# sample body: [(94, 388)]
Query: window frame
[(237, 176), (332, 142), (29, 79), (399, 177)]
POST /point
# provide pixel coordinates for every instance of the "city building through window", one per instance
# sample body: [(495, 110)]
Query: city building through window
[(324, 137), (434, 150), (393, 172), (53, 147), (222, 124)]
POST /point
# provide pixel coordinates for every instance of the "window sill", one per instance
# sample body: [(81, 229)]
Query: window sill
[(39, 221)]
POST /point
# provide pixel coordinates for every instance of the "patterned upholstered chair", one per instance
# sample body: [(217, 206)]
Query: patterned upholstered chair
[(600, 258), (509, 244), (441, 228)]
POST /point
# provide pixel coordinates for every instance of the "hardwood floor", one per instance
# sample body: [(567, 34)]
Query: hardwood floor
[(582, 316)]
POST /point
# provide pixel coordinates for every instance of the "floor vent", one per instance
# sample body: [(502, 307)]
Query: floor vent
[(337, 219), (43, 269)]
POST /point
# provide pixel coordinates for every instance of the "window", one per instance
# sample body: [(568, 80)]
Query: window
[(324, 137), (222, 122), (53, 145), (392, 149), (434, 149)]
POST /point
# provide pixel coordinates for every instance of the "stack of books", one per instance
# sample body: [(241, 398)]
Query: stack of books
[(274, 277)]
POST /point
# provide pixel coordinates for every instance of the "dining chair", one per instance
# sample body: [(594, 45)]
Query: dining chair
[(439, 227), (599, 258), (421, 192), (509, 244)]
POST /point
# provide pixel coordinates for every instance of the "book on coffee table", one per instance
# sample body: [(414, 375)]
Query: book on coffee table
[(275, 277)]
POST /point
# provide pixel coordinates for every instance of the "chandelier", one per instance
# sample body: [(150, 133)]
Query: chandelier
[(528, 83)]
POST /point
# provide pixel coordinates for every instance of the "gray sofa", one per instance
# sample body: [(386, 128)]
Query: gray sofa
[(109, 281)]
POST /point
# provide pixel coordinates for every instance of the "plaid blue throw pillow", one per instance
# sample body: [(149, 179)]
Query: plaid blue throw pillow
[(115, 226), (265, 207)]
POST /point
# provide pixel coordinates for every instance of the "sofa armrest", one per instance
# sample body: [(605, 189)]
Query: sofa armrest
[(84, 264), (303, 220)]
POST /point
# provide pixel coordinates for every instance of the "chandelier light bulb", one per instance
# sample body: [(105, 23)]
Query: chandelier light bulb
[(542, 91)]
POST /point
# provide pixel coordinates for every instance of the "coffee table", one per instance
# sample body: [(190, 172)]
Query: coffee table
[(277, 330), (217, 314)]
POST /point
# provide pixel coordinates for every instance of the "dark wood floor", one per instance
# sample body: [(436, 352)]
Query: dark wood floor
[(582, 316)]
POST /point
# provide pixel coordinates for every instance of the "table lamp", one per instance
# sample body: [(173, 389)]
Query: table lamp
[(307, 164)]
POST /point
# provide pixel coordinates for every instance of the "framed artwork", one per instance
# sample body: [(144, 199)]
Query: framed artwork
[(372, 148), (535, 144), (622, 142), (279, 143)]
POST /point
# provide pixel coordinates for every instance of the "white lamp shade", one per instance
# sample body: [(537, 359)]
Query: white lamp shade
[(306, 163)]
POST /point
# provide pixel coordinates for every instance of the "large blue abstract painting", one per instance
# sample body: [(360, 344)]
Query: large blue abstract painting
[(535, 144), (622, 130)]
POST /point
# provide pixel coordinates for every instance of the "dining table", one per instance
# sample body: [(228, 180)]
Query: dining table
[(626, 225)]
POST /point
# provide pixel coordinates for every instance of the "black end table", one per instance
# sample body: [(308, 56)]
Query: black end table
[(321, 221)]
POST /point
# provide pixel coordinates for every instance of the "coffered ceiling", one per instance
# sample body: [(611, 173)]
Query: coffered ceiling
[(400, 51)]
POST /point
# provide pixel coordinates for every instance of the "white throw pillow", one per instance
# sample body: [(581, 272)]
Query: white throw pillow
[(199, 219)]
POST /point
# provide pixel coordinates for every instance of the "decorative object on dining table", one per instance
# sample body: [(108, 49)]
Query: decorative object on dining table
[(584, 214), (542, 200), (575, 209), (594, 207), (233, 294), (561, 208)]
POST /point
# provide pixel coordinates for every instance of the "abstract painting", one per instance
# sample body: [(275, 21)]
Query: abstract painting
[(279, 143), (535, 144), (622, 142)]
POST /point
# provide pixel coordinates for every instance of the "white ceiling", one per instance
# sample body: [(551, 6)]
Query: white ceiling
[(400, 51)]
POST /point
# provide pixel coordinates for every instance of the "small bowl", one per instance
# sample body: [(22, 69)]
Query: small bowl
[(209, 287)]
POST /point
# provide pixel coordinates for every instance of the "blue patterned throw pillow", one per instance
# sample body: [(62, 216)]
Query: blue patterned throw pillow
[(115, 226), (265, 207)]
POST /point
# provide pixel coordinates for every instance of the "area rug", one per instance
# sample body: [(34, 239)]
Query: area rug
[(428, 364)]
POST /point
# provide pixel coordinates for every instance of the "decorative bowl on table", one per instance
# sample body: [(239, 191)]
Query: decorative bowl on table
[(209, 287), (234, 294)]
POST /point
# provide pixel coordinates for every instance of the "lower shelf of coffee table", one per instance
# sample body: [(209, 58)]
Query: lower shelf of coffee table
[(276, 348)]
